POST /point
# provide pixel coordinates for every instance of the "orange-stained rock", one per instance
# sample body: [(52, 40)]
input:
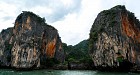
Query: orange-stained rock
[(114, 40), (50, 48), (129, 28), (24, 46)]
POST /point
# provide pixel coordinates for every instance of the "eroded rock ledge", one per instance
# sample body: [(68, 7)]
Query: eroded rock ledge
[(30, 43), (115, 40)]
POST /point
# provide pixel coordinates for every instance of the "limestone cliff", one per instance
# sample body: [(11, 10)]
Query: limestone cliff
[(115, 40), (5, 47), (30, 43)]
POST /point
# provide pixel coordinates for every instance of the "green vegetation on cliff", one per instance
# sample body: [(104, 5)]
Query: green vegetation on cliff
[(77, 53)]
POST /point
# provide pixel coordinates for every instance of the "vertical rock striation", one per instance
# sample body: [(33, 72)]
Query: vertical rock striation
[(115, 40), (30, 43)]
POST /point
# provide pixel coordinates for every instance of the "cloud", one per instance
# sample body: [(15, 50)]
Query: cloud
[(53, 10), (7, 15), (76, 26), (61, 9)]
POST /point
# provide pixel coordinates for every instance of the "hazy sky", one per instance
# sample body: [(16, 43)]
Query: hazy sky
[(72, 18)]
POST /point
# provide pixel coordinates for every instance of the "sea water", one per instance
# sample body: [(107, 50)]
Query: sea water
[(61, 72)]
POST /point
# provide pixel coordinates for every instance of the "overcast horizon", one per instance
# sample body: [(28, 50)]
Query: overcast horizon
[(72, 18)]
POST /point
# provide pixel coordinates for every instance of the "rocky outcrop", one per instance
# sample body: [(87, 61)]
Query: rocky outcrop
[(30, 43), (115, 40), (5, 47)]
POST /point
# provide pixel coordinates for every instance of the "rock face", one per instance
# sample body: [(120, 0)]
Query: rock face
[(5, 47), (115, 40), (30, 43)]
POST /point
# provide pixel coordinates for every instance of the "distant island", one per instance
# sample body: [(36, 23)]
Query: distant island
[(113, 44)]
